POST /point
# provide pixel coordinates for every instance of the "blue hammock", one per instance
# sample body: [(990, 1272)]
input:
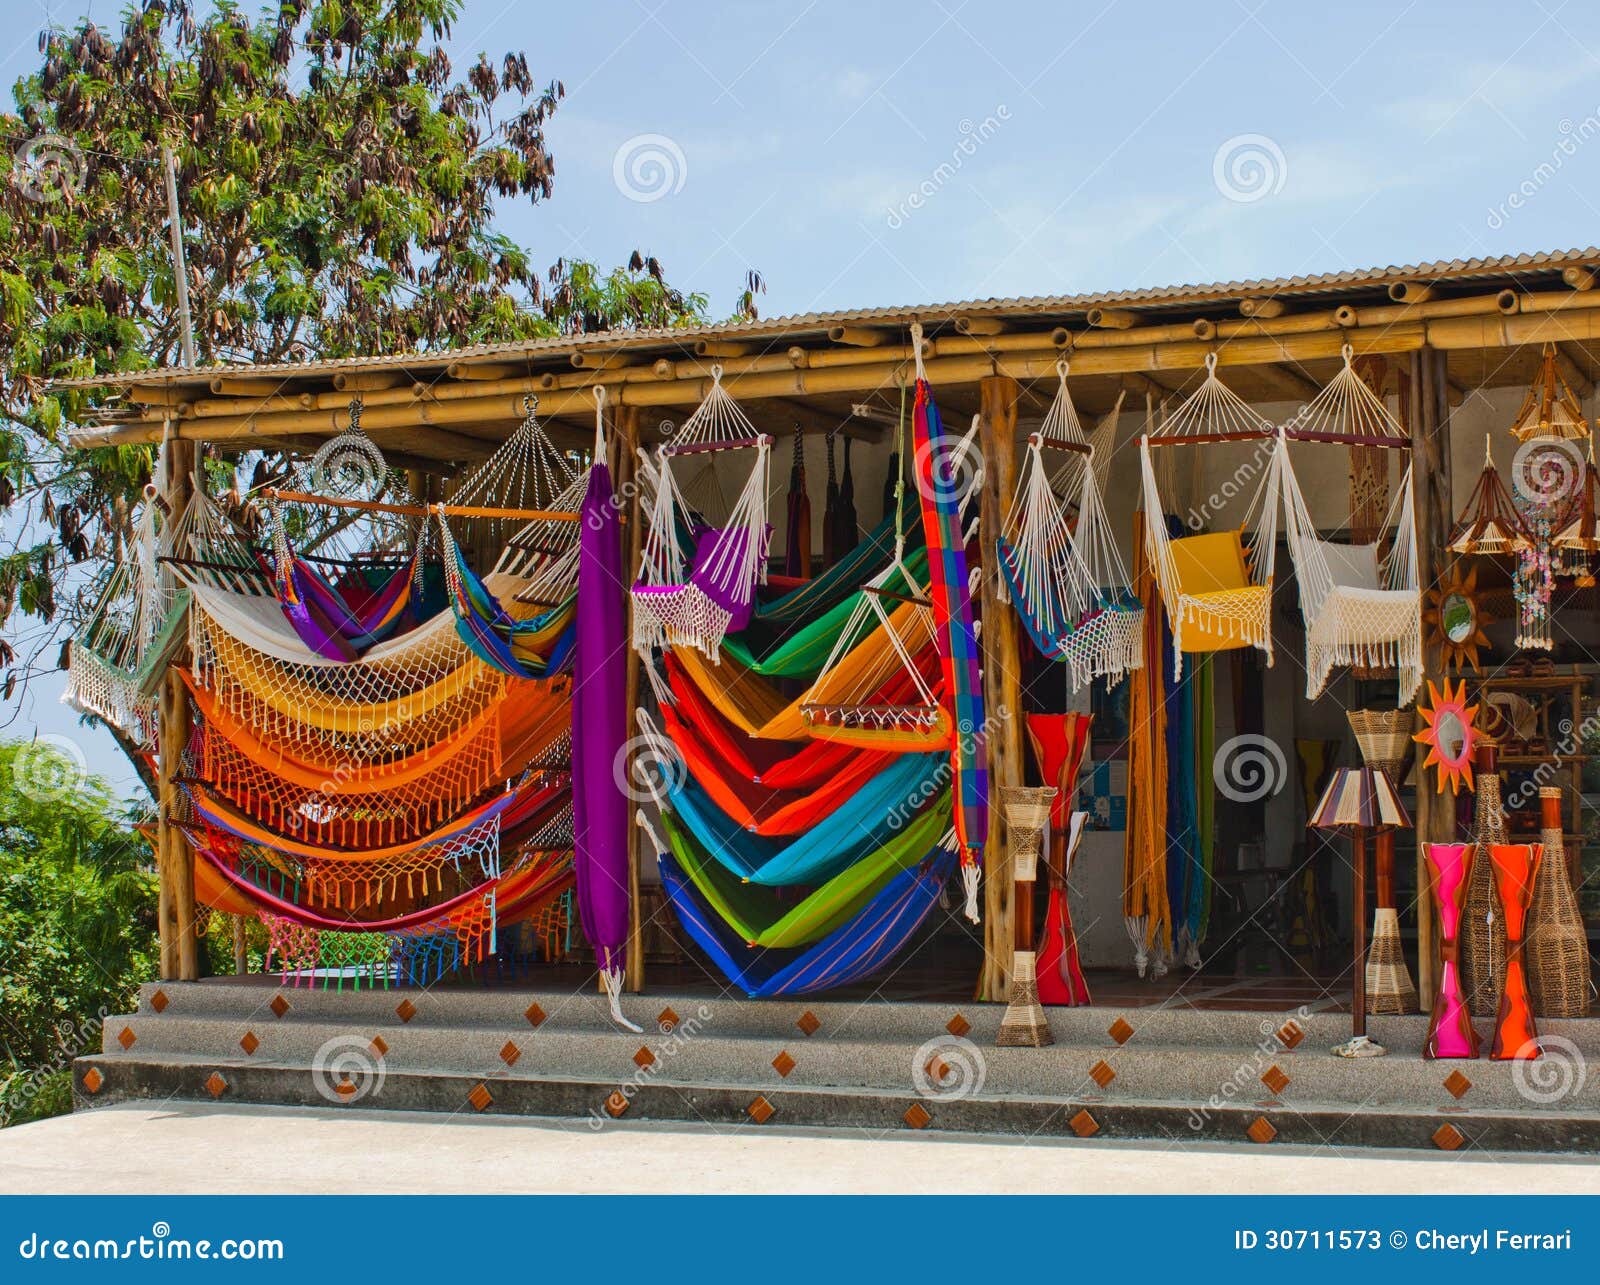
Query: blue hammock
[(533, 648), (856, 949), (863, 822)]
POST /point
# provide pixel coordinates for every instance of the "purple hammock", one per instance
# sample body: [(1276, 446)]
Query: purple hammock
[(599, 732)]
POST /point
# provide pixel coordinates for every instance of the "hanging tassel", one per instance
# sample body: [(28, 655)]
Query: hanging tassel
[(612, 978), (970, 877)]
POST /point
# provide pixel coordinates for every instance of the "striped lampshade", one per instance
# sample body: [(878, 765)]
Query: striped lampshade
[(1363, 796)]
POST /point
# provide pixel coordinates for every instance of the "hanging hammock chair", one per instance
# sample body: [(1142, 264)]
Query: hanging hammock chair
[(1069, 587), (694, 603), (1361, 607), (1217, 587)]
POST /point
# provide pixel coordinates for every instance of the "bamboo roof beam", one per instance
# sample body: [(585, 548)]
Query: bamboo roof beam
[(1112, 319), (1579, 278), (981, 326), (368, 381), (722, 348), (857, 336), (1265, 309), (485, 370), (1410, 292)]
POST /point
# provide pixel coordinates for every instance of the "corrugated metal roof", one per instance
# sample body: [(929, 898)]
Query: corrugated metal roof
[(799, 324)]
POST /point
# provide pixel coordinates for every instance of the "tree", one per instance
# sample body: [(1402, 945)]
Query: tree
[(337, 181)]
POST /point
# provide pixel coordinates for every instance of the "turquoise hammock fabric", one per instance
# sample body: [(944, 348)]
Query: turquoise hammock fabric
[(854, 950), (804, 652), (865, 821), (1186, 874), (843, 578)]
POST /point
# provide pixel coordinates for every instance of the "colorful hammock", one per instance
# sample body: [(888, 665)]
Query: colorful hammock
[(772, 919), (839, 581), (857, 948), (954, 632), (774, 765), (865, 821), (599, 730)]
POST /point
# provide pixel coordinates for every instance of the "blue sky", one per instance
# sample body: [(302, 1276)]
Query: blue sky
[(900, 153)]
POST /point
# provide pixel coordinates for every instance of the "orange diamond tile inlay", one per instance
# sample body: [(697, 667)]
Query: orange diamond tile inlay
[(1120, 1031), (127, 1037), (509, 1053), (1102, 1074), (1457, 1084), (534, 1014), (666, 1021), (480, 1097), (1084, 1125), (379, 1046), (1290, 1034), (783, 1064), (346, 1090), (249, 1043), (917, 1116), (643, 1058), (216, 1086), (159, 1001), (616, 1104), (937, 1069), (760, 1110), (92, 1079), (1275, 1080), (406, 1010), (279, 1006), (808, 1023), (1261, 1130), (1448, 1138), (958, 1026)]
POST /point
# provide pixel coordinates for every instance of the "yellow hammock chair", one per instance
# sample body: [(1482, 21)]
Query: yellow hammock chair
[(1217, 587)]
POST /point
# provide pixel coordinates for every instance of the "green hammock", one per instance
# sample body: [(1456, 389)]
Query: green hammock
[(767, 918), (803, 653)]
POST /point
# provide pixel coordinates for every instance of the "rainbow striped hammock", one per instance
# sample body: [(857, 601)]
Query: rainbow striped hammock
[(1070, 588)]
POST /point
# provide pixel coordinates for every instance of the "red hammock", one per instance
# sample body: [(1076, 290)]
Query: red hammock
[(1059, 742)]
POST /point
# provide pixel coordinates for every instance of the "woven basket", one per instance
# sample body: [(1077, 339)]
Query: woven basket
[(1558, 948), (1483, 932), (1384, 737)]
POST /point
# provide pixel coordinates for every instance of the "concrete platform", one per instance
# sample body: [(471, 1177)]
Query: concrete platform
[(1178, 1075)]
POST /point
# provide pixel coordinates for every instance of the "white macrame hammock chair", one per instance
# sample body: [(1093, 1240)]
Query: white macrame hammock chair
[(1361, 607), (691, 601), (1217, 587), (1070, 587)]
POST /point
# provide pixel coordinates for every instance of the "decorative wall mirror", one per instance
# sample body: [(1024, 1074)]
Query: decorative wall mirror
[(1455, 617), (1449, 734)]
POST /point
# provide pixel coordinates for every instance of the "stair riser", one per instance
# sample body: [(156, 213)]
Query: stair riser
[(126, 1079), (1210, 1077)]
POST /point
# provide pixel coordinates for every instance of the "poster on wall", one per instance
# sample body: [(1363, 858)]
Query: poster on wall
[(1104, 794)]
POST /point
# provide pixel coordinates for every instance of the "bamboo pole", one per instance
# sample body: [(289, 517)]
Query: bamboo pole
[(1002, 676), (175, 861), (624, 434)]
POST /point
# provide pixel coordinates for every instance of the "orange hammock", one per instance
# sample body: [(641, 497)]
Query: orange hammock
[(355, 806), (1144, 869)]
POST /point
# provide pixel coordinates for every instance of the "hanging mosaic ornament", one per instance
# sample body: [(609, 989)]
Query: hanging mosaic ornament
[(1547, 476)]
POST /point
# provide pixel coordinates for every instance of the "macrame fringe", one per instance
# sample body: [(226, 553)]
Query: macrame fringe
[(970, 877), (612, 979)]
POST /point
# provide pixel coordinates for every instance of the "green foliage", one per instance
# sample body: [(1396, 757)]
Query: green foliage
[(77, 924)]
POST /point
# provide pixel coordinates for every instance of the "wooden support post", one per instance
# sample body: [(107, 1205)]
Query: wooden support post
[(624, 435), (1002, 676), (1430, 453), (180, 953), (241, 956)]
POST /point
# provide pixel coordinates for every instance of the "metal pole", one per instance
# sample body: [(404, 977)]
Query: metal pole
[(180, 269)]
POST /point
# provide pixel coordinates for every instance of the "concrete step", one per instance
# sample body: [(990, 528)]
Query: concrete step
[(592, 1104)]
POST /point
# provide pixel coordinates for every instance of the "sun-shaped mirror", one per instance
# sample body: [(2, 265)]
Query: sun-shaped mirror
[(1449, 734), (1455, 618)]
